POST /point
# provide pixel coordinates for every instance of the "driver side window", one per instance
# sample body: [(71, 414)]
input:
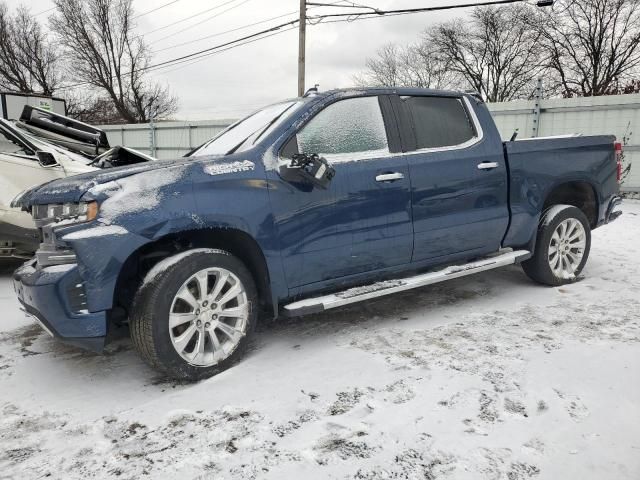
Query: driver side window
[(354, 125)]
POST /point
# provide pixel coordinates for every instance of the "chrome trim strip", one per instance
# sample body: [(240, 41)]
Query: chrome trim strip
[(469, 143)]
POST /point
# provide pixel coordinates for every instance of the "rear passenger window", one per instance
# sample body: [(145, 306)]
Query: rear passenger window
[(354, 125), (439, 121)]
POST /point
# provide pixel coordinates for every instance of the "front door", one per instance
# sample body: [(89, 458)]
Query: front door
[(362, 221)]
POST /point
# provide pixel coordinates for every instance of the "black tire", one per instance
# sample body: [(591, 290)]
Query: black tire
[(537, 267), (149, 318)]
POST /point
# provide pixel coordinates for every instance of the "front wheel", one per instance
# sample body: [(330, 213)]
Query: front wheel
[(194, 313), (562, 246)]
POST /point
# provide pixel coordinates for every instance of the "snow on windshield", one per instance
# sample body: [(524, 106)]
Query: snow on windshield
[(237, 134)]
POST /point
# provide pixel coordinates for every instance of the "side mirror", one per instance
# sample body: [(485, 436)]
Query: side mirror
[(46, 159), (308, 168)]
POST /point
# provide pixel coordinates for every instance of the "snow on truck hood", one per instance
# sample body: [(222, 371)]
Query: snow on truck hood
[(71, 189)]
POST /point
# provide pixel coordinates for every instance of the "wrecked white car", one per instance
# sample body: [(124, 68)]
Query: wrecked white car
[(40, 147)]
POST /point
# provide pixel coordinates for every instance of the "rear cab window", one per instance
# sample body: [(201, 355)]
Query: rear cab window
[(438, 122)]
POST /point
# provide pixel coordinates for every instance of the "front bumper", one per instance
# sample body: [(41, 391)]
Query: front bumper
[(55, 297)]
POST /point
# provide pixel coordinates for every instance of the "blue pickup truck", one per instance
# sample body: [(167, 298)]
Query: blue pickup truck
[(307, 205)]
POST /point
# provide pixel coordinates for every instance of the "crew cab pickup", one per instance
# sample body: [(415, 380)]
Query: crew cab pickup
[(303, 206)]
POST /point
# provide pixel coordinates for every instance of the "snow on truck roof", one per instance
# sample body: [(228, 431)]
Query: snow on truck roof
[(355, 91)]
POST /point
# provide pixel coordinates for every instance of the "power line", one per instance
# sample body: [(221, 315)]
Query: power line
[(343, 5), (206, 19), (224, 32), (243, 27), (413, 10), (154, 9), (44, 11), (203, 57), (189, 17), (231, 42), (199, 53), (274, 30)]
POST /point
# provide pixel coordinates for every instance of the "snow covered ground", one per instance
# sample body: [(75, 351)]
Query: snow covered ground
[(484, 377)]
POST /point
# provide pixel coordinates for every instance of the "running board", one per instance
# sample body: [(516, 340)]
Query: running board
[(387, 287)]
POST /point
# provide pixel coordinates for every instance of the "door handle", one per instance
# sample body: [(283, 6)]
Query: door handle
[(389, 177), (487, 165)]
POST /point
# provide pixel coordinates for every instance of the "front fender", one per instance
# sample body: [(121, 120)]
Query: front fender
[(133, 212)]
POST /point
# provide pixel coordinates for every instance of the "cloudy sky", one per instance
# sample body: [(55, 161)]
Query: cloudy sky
[(235, 82)]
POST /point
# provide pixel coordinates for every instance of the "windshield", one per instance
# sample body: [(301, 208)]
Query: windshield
[(245, 133)]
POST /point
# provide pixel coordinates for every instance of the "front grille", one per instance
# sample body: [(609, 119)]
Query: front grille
[(48, 255)]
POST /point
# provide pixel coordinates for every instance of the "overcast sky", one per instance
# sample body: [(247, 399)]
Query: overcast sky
[(235, 82)]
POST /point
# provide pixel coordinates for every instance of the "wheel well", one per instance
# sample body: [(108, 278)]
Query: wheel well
[(579, 194), (236, 242)]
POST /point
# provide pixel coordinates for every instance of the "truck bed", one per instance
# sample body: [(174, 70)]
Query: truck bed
[(538, 166)]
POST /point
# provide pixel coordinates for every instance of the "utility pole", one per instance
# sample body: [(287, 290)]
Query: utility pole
[(152, 130), (537, 98), (302, 27)]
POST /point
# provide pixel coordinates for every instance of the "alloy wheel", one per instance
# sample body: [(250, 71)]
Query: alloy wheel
[(208, 316), (566, 248)]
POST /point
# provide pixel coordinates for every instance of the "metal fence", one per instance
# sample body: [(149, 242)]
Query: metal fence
[(618, 115), (165, 139)]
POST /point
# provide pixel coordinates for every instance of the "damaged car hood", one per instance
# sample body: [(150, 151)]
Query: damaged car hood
[(71, 189)]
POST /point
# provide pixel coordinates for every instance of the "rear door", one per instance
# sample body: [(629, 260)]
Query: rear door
[(458, 178)]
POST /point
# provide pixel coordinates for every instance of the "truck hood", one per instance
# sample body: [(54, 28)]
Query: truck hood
[(71, 189)]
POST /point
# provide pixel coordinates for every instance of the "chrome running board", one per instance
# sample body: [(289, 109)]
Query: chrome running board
[(387, 287)]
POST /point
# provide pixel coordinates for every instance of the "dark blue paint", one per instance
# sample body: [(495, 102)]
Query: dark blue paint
[(42, 292), (458, 209), (313, 240)]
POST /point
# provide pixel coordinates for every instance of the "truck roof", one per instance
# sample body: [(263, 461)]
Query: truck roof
[(388, 90)]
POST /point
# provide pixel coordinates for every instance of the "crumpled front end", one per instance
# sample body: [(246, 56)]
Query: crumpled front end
[(87, 234), (56, 298)]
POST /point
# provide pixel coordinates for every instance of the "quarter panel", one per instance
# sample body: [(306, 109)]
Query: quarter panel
[(538, 166)]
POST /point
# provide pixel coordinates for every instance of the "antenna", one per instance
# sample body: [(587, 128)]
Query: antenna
[(312, 91)]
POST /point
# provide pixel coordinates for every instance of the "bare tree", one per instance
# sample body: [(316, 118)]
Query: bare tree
[(85, 106), (496, 52), (29, 61), (594, 45), (411, 66), (103, 51)]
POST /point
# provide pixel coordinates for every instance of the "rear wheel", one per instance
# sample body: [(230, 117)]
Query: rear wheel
[(562, 246), (194, 314)]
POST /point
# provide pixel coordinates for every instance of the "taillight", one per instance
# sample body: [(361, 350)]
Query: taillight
[(617, 147)]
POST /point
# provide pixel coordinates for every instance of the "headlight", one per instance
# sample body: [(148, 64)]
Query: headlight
[(69, 212)]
